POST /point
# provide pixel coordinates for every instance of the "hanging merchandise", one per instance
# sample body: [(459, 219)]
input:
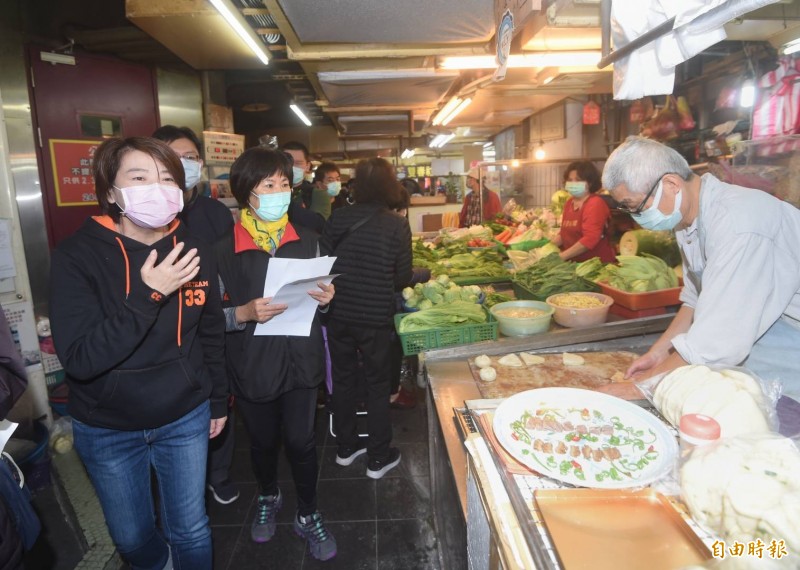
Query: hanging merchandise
[(591, 113), (636, 112), (776, 110), (686, 122), (664, 126)]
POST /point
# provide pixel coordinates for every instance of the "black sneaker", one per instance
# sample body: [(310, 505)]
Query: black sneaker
[(321, 543), (225, 492), (346, 455), (377, 468)]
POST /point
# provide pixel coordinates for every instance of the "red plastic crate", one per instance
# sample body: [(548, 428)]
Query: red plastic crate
[(642, 301), (621, 311)]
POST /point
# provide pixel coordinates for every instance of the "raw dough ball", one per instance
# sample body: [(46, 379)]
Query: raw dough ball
[(488, 374)]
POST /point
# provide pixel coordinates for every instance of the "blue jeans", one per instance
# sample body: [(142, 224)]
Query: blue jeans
[(119, 463)]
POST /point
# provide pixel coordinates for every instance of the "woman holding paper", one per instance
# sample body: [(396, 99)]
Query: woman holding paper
[(274, 378)]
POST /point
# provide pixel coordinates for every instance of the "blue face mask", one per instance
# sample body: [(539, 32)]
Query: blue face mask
[(333, 188), (298, 174), (576, 189), (654, 219), (272, 207)]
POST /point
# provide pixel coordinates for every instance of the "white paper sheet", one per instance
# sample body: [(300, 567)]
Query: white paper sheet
[(6, 431), (7, 266), (288, 283)]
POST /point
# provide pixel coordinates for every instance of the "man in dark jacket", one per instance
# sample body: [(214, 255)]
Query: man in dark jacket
[(372, 244)]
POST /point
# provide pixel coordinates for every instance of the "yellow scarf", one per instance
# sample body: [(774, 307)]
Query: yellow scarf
[(266, 235)]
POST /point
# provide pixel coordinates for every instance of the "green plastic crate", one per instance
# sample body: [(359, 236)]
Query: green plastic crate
[(420, 341)]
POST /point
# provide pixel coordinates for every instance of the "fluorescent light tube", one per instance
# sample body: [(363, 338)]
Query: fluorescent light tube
[(446, 110), (299, 113), (461, 106), (241, 27)]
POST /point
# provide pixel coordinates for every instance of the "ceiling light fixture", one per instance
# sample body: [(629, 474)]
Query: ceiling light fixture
[(236, 21), (538, 59), (408, 153), (791, 47), (488, 144), (299, 113), (446, 110), (539, 154), (440, 140), (461, 106)]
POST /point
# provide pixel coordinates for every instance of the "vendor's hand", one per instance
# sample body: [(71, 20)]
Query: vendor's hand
[(171, 273), (639, 368), (217, 425), (325, 295), (259, 310)]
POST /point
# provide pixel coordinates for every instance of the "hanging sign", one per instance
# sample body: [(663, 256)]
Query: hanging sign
[(591, 113), (72, 171), (504, 35), (222, 149)]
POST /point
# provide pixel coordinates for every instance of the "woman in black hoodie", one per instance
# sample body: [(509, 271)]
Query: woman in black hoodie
[(138, 325)]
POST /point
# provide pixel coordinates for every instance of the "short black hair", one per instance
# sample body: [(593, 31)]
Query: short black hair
[(411, 186), (294, 145), (171, 133), (323, 169), (376, 183), (587, 172), (254, 165)]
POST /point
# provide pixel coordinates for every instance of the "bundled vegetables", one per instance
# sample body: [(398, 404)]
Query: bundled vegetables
[(444, 316), (492, 297), (486, 263), (552, 275), (439, 291), (639, 274), (558, 200)]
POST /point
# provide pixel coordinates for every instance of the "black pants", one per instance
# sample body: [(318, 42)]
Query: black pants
[(375, 346), (220, 453), (292, 413)]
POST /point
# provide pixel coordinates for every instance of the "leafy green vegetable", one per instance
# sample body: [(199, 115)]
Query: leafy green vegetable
[(450, 315), (551, 275)]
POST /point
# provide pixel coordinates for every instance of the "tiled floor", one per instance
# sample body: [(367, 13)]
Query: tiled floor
[(384, 524), (378, 525)]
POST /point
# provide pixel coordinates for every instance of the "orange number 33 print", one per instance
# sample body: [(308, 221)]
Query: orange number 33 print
[(192, 297)]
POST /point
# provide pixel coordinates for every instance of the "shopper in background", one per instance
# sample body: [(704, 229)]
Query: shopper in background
[(741, 270), (209, 220), (138, 325), (474, 211), (274, 378), (584, 230), (372, 245), (206, 218), (301, 210), (328, 178)]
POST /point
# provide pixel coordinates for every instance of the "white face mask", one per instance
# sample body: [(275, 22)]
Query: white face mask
[(191, 169), (149, 206)]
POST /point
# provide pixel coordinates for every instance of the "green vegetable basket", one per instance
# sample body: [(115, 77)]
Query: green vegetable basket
[(420, 341)]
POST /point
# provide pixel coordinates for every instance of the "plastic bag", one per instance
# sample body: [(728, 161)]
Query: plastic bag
[(728, 398), (686, 122), (745, 489), (664, 125), (61, 435)]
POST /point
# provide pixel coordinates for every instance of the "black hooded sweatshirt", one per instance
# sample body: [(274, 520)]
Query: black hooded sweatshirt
[(135, 359)]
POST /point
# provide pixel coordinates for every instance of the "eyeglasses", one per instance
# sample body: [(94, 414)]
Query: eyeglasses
[(638, 209), (191, 156)]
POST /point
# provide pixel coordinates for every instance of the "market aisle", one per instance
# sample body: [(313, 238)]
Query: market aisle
[(384, 524)]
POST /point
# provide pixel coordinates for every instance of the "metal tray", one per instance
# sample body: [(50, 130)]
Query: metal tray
[(642, 524)]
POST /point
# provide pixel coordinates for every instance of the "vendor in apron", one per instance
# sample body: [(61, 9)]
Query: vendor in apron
[(741, 263)]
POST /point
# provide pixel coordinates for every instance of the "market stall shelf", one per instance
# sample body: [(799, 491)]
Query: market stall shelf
[(642, 524), (601, 371)]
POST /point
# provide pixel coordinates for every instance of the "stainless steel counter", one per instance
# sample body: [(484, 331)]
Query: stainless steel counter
[(450, 384)]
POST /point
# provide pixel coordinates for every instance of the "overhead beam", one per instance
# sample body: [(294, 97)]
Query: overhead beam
[(255, 11), (267, 31), (324, 52)]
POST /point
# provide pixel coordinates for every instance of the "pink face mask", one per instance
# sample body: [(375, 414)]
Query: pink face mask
[(151, 206)]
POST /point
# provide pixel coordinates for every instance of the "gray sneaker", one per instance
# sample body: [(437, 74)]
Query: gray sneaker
[(263, 527), (321, 543)]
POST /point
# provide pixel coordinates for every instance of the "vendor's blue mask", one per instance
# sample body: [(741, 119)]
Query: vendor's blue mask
[(576, 189), (333, 188), (272, 207), (654, 219)]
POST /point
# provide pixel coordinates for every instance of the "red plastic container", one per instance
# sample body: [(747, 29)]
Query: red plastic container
[(642, 301)]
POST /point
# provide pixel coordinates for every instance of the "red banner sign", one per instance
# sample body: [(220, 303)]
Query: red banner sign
[(72, 171)]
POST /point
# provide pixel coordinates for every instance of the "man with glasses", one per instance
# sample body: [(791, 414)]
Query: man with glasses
[(741, 264)]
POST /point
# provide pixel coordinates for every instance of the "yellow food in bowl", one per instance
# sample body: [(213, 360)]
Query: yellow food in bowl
[(520, 313), (577, 301)]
